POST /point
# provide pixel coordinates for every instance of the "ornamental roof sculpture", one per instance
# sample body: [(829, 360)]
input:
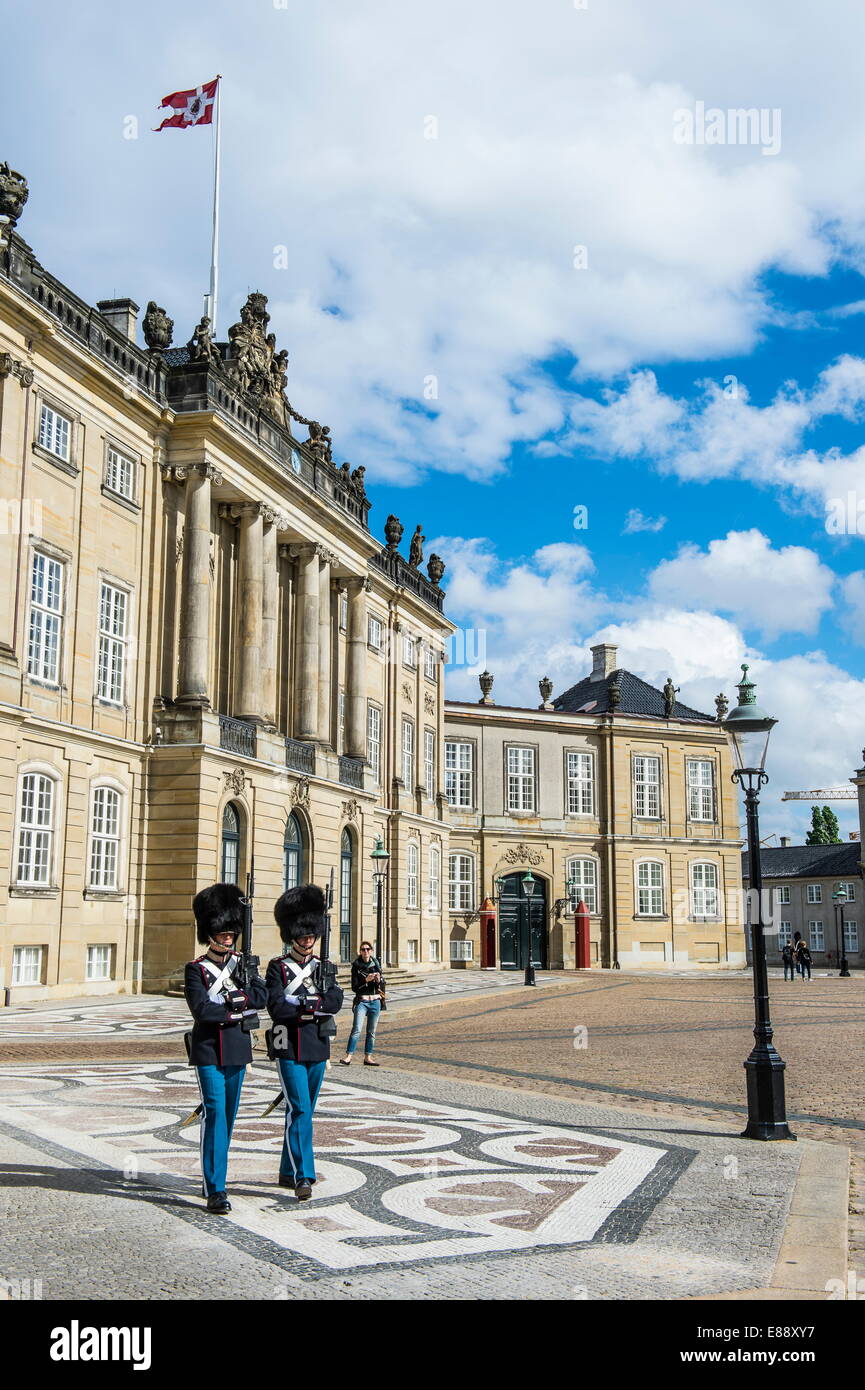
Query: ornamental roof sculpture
[(252, 362)]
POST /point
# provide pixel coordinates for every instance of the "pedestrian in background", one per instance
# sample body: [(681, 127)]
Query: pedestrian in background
[(368, 984), (803, 958), (789, 965)]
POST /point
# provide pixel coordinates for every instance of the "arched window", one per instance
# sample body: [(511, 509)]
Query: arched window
[(105, 838), (461, 882), (346, 885), (583, 874), (230, 844), (650, 888), (35, 828), (435, 873), (704, 889), (292, 846), (411, 886)]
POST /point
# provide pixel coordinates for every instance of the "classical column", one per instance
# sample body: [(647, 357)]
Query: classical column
[(273, 521), (194, 661), (355, 681), (324, 648), (308, 605), (250, 587)]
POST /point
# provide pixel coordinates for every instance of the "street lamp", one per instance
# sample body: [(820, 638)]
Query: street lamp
[(839, 898), (529, 885), (379, 857), (749, 727)]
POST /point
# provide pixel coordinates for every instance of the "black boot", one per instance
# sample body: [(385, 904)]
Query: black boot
[(303, 1190), (285, 1181), (218, 1202)]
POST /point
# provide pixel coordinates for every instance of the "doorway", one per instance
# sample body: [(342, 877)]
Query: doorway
[(522, 924)]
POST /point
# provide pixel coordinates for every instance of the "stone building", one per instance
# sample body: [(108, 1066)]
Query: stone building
[(615, 793), (205, 654)]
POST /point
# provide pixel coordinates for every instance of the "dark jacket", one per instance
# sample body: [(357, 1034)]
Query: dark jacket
[(364, 988), (295, 1036), (217, 1038)]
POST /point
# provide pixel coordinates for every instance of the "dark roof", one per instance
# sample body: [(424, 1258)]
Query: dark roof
[(809, 861), (635, 697)]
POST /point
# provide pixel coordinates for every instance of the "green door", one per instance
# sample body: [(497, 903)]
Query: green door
[(522, 924)]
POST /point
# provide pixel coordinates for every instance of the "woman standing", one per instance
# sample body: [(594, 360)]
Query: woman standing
[(367, 981)]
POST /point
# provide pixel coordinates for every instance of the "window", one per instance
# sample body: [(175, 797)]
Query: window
[(782, 895), (701, 789), (434, 952), (521, 779), (292, 853), (429, 763), (585, 871), (851, 937), (815, 932), (46, 618), (458, 774), (429, 670), (581, 784), (411, 895), (27, 965), (647, 788), (815, 892), (340, 718), (407, 753), (373, 740), (35, 829), (374, 633), (55, 433), (408, 651), (650, 888), (230, 844), (105, 838), (435, 873), (461, 883), (785, 933), (343, 612), (704, 890), (112, 644), (850, 889), (346, 881), (98, 963), (120, 473), (411, 952), (461, 950)]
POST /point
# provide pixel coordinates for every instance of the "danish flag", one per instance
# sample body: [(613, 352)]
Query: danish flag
[(194, 107)]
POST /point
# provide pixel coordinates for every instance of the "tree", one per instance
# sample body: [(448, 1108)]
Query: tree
[(817, 834), (831, 826)]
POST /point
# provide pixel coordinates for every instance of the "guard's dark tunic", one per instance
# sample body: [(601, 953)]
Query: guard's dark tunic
[(298, 1039), (217, 1039)]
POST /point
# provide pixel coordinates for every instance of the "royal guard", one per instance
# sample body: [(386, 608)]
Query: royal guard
[(302, 997), (223, 990)]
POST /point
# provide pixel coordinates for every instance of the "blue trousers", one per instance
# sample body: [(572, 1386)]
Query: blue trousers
[(220, 1092), (368, 1009), (301, 1083)]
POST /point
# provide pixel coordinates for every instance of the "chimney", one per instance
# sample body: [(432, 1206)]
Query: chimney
[(604, 661), (785, 840), (122, 314)]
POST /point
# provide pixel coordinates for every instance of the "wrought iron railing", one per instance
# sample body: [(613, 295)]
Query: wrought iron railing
[(300, 757), (237, 736), (351, 772)]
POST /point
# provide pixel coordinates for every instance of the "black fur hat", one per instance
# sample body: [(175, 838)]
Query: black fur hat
[(300, 912), (218, 908)]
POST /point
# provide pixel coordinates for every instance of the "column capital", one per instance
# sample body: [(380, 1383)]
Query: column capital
[(356, 584), (326, 556), (205, 470), (273, 517), (173, 473)]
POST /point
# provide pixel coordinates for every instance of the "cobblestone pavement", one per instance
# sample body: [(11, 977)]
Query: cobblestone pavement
[(427, 1189)]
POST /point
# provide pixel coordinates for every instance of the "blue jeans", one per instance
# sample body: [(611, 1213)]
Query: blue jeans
[(301, 1083), (220, 1095), (368, 1009)]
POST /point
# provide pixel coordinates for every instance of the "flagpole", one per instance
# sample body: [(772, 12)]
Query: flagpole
[(214, 255)]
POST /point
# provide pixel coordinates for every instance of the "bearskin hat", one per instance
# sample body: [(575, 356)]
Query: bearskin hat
[(300, 912), (218, 908)]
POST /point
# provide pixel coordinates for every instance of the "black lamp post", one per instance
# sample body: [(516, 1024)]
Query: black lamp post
[(839, 898), (529, 886), (379, 857), (750, 727)]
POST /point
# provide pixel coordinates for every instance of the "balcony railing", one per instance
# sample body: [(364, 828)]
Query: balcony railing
[(300, 757), (236, 736), (351, 772)]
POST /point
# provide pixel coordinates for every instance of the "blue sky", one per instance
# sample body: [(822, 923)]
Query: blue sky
[(413, 187)]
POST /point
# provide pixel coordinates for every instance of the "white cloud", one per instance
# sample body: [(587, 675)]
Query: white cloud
[(772, 591), (853, 620), (635, 521)]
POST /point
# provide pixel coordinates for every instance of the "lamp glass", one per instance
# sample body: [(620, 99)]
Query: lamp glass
[(750, 742), (529, 884)]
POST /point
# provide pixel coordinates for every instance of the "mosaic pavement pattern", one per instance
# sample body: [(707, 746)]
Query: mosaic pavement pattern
[(400, 1180)]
